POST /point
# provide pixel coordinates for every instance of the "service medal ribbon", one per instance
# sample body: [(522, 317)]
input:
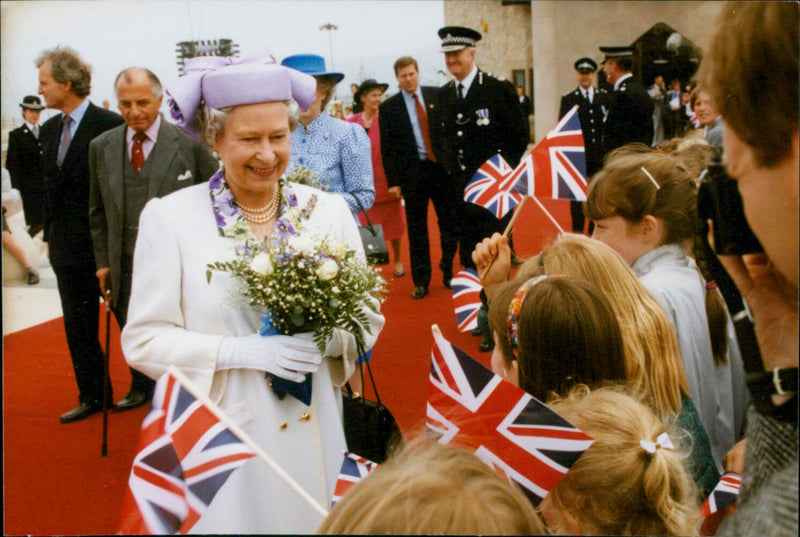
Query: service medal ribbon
[(483, 116)]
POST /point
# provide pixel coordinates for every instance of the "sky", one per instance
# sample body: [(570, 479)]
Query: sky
[(113, 34)]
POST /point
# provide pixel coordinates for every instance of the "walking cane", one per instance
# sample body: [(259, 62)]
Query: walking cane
[(106, 378)]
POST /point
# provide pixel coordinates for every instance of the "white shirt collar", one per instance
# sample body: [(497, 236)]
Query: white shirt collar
[(31, 126), (151, 131), (467, 82), (620, 79)]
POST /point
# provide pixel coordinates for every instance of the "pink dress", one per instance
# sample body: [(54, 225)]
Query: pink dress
[(387, 210)]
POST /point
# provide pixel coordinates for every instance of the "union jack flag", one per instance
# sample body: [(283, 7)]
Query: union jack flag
[(510, 430), (184, 457), (490, 187), (467, 298), (354, 469), (724, 494), (556, 168)]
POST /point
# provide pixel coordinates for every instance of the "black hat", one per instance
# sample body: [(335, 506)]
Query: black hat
[(617, 52), (586, 64), (457, 37), (31, 102), (368, 84)]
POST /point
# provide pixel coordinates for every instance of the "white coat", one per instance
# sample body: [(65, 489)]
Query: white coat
[(719, 392), (177, 317)]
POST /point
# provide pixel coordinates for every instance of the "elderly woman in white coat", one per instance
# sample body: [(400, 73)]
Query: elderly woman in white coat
[(245, 110)]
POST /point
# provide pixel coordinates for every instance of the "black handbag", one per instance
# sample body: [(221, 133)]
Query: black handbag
[(373, 240), (369, 427)]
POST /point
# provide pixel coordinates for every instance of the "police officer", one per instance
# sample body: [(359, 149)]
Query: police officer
[(481, 117), (24, 163), (592, 107), (630, 108)]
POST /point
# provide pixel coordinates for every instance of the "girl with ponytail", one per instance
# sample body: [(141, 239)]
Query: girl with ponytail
[(631, 480)]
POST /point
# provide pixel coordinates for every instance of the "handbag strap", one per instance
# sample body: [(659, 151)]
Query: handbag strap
[(362, 352), (363, 210)]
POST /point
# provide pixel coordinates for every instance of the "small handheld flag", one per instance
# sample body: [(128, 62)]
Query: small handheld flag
[(510, 430), (354, 469), (724, 494), (467, 298), (490, 187)]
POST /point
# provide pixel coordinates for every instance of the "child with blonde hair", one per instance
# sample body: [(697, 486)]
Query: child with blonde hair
[(433, 489), (644, 206), (631, 480)]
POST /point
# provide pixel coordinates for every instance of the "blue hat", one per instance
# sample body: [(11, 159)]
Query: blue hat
[(310, 64)]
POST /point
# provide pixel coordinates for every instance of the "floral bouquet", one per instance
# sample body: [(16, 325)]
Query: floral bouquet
[(305, 176), (307, 284)]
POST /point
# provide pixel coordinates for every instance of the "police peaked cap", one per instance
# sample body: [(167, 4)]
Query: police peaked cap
[(586, 64), (457, 37)]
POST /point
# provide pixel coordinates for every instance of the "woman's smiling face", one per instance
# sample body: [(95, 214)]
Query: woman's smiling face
[(255, 147)]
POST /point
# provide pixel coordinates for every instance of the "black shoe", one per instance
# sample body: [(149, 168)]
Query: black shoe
[(83, 410), (447, 280), (419, 292), (134, 399), (477, 331)]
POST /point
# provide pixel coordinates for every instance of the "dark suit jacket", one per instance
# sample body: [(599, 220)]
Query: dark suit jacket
[(398, 145), (591, 117), (630, 116), (468, 144), (176, 161), (67, 220), (24, 164)]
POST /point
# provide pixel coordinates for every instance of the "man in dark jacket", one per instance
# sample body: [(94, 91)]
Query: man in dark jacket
[(630, 110), (64, 82)]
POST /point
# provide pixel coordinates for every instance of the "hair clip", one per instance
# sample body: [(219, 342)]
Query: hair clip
[(515, 306), (711, 285), (662, 441), (653, 179)]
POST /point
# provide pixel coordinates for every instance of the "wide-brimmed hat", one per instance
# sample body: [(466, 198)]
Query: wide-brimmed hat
[(458, 37), (31, 102), (311, 64), (221, 82), (366, 86)]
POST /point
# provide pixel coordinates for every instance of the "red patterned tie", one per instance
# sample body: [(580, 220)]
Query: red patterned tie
[(423, 125), (137, 151)]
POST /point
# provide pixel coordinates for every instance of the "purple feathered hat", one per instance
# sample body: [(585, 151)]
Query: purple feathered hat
[(221, 82)]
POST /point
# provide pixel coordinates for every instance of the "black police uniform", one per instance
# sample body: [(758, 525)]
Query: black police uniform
[(630, 116), (487, 121), (24, 164), (590, 115)]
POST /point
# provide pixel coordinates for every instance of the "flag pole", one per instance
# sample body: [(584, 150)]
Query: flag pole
[(517, 211), (550, 216), (244, 437)]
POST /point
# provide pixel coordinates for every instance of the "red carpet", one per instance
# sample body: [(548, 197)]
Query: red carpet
[(56, 482)]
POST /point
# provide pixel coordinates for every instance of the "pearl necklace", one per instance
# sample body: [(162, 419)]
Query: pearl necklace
[(264, 214)]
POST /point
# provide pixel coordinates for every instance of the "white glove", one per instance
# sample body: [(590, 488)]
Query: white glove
[(288, 357), (334, 346)]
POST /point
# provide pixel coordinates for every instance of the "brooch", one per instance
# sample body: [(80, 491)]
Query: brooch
[(483, 116)]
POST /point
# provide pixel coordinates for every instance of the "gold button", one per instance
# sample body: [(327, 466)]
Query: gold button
[(284, 425), (305, 416)]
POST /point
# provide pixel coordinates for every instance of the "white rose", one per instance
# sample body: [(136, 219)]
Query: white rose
[(262, 264), (327, 270), (302, 244), (338, 249)]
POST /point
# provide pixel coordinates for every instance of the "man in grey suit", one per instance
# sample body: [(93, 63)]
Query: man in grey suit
[(143, 159)]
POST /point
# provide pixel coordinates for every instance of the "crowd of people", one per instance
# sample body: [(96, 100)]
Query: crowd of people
[(628, 333)]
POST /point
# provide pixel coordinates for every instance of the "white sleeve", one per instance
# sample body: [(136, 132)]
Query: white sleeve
[(155, 336)]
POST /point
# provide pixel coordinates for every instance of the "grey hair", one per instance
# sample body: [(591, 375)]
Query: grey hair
[(125, 75), (66, 65), (212, 122)]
